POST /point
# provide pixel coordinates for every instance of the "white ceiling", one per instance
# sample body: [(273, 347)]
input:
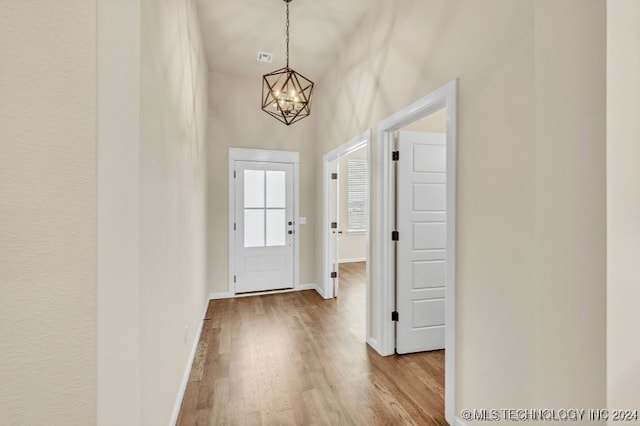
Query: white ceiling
[(235, 30)]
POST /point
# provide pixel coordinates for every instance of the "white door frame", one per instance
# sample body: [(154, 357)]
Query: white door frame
[(444, 97), (270, 156), (363, 139)]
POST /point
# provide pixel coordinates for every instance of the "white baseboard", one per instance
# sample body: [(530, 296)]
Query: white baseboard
[(226, 295), (300, 287), (325, 296), (356, 259), (312, 286), (459, 422), (374, 344), (187, 371)]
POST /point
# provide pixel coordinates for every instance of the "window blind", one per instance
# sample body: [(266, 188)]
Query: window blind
[(357, 195)]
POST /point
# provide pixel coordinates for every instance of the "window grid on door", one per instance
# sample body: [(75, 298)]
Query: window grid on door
[(264, 208)]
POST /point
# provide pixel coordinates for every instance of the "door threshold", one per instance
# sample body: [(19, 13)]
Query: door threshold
[(266, 292)]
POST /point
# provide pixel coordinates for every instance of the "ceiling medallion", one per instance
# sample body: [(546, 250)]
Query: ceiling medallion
[(286, 94)]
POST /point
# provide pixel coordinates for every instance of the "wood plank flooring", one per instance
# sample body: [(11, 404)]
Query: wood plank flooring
[(296, 359)]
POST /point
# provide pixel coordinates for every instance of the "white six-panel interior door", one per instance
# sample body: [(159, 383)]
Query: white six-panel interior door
[(421, 247), (263, 226)]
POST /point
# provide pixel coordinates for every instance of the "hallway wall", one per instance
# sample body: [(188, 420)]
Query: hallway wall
[(530, 160), (173, 188), (118, 269), (47, 212), (570, 203), (151, 206), (623, 203)]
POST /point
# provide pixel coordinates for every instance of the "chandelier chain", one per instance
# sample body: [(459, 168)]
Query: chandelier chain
[(286, 94), (287, 38)]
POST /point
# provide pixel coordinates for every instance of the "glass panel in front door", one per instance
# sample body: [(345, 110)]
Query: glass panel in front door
[(254, 189), (276, 189), (265, 202), (276, 227), (254, 227)]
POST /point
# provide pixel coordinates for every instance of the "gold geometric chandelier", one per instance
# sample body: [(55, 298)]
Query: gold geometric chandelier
[(286, 94)]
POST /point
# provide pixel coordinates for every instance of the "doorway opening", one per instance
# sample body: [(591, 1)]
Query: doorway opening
[(416, 205), (346, 224)]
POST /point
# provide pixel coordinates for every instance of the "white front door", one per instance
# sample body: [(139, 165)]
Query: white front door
[(264, 226), (421, 259)]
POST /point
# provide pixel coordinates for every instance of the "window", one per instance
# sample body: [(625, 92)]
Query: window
[(264, 208), (357, 196)]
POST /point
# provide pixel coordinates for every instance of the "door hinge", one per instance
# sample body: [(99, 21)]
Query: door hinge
[(234, 226), (334, 225), (394, 316), (395, 155), (234, 278), (234, 174), (395, 236), (334, 275), (334, 176)]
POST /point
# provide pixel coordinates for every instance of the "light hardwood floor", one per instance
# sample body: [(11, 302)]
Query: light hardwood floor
[(296, 359)]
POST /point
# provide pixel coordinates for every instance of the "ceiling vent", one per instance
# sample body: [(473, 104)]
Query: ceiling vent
[(265, 57)]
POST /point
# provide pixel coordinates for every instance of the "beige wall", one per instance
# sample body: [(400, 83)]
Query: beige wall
[(235, 120), (570, 203), (151, 206), (623, 203), (118, 355), (352, 246), (434, 123), (523, 171), (47, 212), (173, 185)]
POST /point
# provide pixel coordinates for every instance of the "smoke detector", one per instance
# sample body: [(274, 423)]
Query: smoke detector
[(265, 57)]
